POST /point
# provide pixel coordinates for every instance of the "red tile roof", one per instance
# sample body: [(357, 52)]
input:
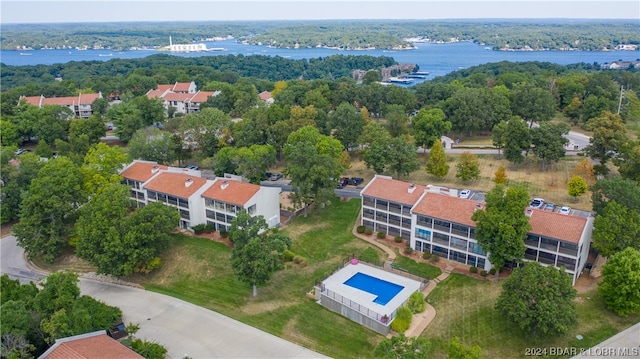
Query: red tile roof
[(393, 190), (32, 100), (201, 96), (155, 93), (172, 96), (265, 95), (446, 207), (236, 192), (181, 86), (175, 184), (60, 101), (93, 347), (141, 171), (88, 98), (556, 225)]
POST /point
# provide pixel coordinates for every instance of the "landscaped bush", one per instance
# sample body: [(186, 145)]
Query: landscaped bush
[(426, 255), (210, 227), (288, 255), (360, 229), (300, 260), (199, 228), (402, 322), (397, 239), (473, 269), (492, 271), (416, 302), (483, 273), (408, 250), (435, 258), (368, 231), (224, 233), (381, 235)]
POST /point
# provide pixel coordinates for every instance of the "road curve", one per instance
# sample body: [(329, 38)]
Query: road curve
[(183, 328)]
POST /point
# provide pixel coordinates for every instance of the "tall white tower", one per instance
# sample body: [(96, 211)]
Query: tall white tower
[(170, 43)]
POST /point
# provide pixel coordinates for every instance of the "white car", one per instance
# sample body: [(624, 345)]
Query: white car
[(564, 210), (537, 203), (465, 193)]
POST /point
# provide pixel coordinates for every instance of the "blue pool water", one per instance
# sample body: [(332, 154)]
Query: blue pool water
[(383, 289)]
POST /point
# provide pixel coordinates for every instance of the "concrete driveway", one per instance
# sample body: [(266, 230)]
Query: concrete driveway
[(183, 328)]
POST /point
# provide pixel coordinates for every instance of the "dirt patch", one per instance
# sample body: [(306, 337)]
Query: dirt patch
[(586, 283), (6, 228)]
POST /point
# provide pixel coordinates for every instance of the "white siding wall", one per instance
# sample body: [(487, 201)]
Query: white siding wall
[(267, 201)]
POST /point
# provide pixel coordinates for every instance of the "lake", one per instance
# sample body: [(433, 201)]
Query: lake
[(437, 59)]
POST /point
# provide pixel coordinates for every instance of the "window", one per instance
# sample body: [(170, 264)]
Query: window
[(381, 216), (380, 204), (475, 248), (568, 248), (162, 197), (368, 213), (531, 240), (208, 202), (459, 243), (423, 234), (251, 210), (406, 211), (152, 195), (459, 229), (406, 223), (472, 260), (481, 262), (184, 214), (531, 254), (220, 217), (441, 225), (183, 203), (459, 257), (381, 228), (546, 258), (395, 220), (442, 252), (368, 201), (441, 238), (395, 208), (424, 221), (172, 200), (547, 243), (211, 214)]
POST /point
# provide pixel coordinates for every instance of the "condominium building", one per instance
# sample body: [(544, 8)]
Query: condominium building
[(184, 97), (81, 105), (439, 222), (200, 200)]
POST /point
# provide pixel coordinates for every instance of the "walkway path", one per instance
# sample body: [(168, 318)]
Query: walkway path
[(420, 321)]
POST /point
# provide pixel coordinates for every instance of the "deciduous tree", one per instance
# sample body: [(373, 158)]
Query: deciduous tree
[(620, 286), (401, 156), (399, 346), (468, 167), (548, 142), (500, 177), (585, 170), (609, 136), (502, 226), (429, 126), (152, 144), (102, 166), (533, 104), (621, 190), (539, 299), (617, 228), (347, 124), (517, 139), (437, 163), (577, 186), (457, 350)]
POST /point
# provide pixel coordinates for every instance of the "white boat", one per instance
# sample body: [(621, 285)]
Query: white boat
[(24, 53), (105, 55)]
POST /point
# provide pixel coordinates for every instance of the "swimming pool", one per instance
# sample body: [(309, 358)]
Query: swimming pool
[(385, 291)]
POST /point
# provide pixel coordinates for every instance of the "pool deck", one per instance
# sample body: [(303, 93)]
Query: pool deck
[(335, 283)]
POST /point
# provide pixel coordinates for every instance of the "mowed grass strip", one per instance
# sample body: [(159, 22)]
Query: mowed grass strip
[(421, 269), (465, 308), (197, 270)]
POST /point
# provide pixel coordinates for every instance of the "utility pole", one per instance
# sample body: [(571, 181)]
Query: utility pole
[(620, 101)]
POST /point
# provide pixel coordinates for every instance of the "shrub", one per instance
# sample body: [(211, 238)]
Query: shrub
[(397, 239), (199, 228), (416, 302), (492, 271), (288, 255), (426, 255), (300, 260), (210, 227), (435, 258), (224, 233), (408, 250), (483, 273), (368, 231), (360, 229), (473, 269), (402, 322), (381, 235)]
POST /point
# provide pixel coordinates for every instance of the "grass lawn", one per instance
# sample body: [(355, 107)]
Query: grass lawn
[(197, 270), (465, 308), (420, 269)]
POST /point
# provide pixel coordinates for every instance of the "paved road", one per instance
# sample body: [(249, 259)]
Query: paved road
[(183, 328)]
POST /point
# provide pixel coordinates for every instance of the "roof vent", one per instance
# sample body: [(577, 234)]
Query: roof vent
[(411, 188), (188, 182), (224, 184), (155, 169), (528, 212), (478, 206)]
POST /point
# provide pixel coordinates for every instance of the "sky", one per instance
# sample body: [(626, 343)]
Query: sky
[(52, 11)]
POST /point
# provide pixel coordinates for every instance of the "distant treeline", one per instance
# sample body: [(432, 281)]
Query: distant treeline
[(383, 34), (91, 74)]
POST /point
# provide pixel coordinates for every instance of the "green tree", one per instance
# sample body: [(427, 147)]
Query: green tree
[(401, 157), (628, 161), (374, 139), (102, 166), (9, 134), (620, 286), (204, 131), (468, 167), (585, 170), (500, 177), (152, 144), (617, 228), (43, 150), (533, 104), (256, 254), (347, 124), (371, 77), (396, 120), (118, 242), (498, 135), (17, 180), (621, 190), (437, 163), (457, 350), (399, 346), (517, 139), (148, 350), (53, 123), (429, 126), (577, 186), (48, 209), (127, 119), (252, 162), (502, 226), (609, 136), (224, 161), (312, 164), (548, 142), (539, 299)]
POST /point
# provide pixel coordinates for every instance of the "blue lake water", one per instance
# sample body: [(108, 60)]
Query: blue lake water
[(383, 289), (437, 59)]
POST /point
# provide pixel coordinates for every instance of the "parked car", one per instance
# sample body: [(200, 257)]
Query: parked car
[(356, 181), (564, 210), (275, 176), (549, 206), (193, 167), (465, 193), (536, 203), (343, 182), (267, 175), (21, 151)]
